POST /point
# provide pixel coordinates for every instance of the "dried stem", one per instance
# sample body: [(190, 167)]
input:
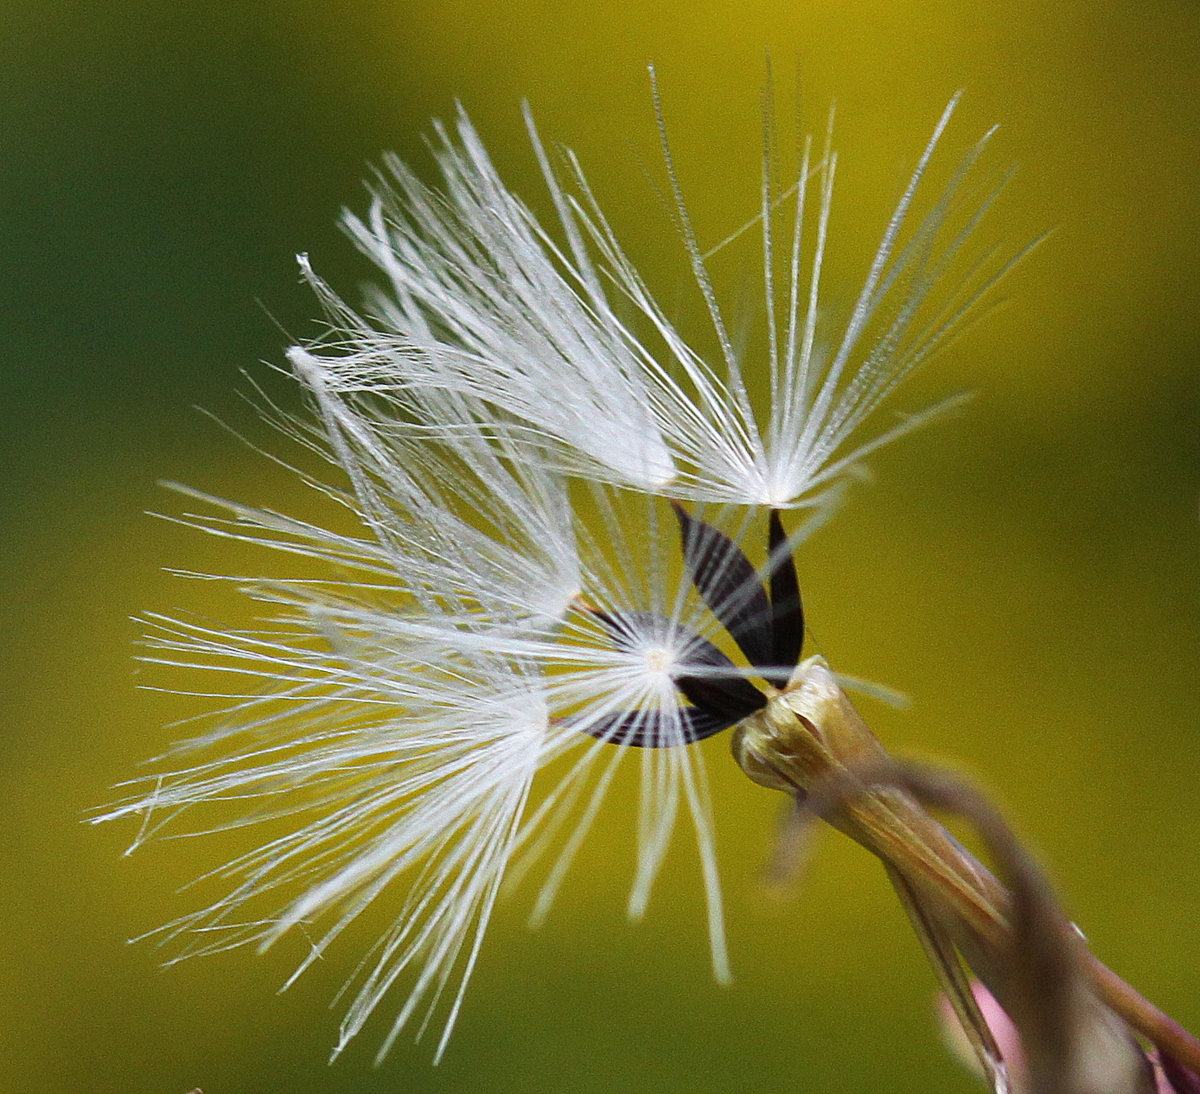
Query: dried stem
[(810, 742)]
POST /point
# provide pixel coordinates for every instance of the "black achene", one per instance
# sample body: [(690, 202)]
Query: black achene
[(766, 623)]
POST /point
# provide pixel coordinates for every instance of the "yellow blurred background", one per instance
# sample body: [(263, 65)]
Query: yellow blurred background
[(1029, 571)]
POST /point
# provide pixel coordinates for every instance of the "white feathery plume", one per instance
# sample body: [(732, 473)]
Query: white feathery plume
[(398, 709), (513, 600), (483, 300)]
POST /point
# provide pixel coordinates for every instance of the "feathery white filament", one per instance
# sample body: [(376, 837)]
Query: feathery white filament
[(396, 717), (485, 302), (503, 441)]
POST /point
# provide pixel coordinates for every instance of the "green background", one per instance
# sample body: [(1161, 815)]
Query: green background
[(1027, 571)]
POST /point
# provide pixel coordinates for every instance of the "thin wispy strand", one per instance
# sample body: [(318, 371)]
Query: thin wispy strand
[(442, 698)]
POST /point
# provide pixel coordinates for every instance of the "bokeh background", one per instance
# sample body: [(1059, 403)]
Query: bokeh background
[(1029, 571)]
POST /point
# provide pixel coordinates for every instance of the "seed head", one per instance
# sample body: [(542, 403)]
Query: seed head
[(441, 699)]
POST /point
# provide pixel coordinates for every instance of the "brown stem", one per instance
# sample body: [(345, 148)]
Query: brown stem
[(1160, 1029), (811, 741)]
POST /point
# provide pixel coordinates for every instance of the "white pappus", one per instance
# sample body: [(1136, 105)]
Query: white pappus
[(508, 422)]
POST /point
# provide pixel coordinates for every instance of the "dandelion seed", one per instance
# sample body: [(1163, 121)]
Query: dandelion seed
[(446, 695)]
